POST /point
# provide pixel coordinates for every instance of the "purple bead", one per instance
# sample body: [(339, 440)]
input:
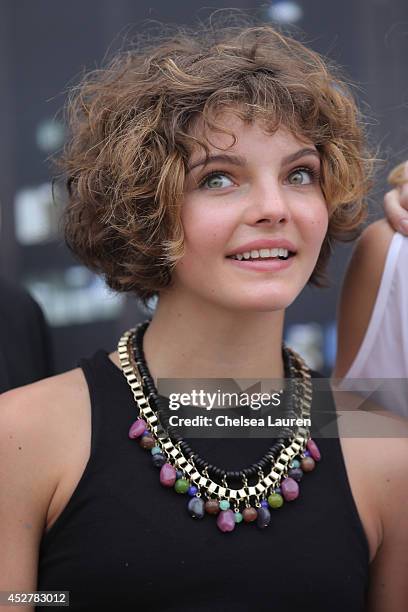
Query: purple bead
[(290, 489), (307, 453), (264, 503), (226, 521), (192, 490), (196, 507), (137, 428), (264, 517), (313, 450), (146, 433), (167, 475), (179, 474)]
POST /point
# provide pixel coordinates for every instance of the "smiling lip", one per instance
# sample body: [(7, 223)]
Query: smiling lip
[(271, 243), (263, 265)]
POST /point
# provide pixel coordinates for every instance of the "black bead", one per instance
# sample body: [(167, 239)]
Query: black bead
[(200, 462), (289, 402)]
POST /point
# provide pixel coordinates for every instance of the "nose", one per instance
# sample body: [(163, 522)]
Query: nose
[(268, 205)]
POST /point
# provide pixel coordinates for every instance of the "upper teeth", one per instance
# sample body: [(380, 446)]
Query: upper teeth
[(261, 253)]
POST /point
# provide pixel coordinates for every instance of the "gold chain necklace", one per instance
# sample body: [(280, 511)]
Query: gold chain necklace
[(180, 472)]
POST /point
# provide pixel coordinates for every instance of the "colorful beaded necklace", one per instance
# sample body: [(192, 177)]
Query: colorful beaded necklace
[(187, 473)]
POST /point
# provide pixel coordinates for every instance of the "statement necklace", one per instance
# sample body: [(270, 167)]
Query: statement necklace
[(206, 485)]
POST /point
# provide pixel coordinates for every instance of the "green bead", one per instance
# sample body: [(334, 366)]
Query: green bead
[(156, 450), (275, 500), (295, 464), (238, 517), (224, 504), (181, 485)]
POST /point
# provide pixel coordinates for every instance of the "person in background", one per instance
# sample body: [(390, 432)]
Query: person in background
[(25, 342), (373, 309)]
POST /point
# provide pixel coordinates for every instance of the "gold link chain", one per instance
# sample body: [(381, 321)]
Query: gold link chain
[(174, 452)]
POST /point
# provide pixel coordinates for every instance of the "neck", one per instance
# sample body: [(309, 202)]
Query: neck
[(189, 339)]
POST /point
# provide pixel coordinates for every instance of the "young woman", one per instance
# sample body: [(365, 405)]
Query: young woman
[(213, 170), (372, 318)]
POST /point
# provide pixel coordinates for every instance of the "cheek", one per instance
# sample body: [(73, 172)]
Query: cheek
[(205, 232), (316, 223)]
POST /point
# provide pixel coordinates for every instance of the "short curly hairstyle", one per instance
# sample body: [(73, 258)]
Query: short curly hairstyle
[(131, 136)]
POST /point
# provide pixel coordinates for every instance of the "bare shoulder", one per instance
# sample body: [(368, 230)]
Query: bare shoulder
[(388, 590), (378, 441), (359, 291), (378, 468), (380, 435), (38, 430), (37, 408), (375, 449), (36, 419)]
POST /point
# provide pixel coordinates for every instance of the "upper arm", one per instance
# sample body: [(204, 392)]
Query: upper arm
[(359, 292), (28, 477)]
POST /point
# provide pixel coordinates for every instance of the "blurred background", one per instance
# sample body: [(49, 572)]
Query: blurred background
[(44, 48)]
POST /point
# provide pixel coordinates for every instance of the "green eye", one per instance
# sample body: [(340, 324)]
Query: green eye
[(301, 176), (214, 180)]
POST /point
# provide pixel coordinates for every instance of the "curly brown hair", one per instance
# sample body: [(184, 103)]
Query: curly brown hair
[(131, 138)]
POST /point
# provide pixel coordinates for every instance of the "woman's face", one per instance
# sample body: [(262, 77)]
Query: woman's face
[(261, 195)]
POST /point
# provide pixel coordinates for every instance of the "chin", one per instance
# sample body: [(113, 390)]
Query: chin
[(266, 302), (270, 304)]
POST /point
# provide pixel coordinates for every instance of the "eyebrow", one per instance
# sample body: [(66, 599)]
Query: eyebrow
[(238, 160)]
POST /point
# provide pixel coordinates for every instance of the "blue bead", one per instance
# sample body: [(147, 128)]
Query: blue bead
[(296, 474), (295, 463), (156, 450), (158, 460), (264, 518), (192, 490), (195, 507), (264, 503), (179, 474), (146, 433), (307, 453), (224, 504), (278, 490)]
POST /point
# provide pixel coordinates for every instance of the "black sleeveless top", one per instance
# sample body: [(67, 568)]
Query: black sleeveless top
[(125, 542)]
